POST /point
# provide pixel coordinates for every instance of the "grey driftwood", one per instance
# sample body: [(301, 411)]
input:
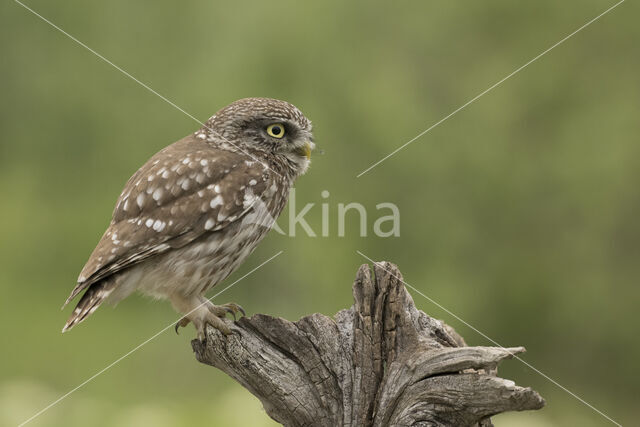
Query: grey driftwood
[(382, 362)]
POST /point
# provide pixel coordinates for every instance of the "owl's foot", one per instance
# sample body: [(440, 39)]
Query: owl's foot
[(202, 312), (221, 310), (204, 317)]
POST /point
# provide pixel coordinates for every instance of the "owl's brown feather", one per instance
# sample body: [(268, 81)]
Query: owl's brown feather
[(89, 302), (187, 189)]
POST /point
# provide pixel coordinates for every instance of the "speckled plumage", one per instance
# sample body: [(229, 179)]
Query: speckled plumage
[(194, 211)]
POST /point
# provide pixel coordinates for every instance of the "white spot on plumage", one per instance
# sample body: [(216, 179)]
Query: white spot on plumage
[(157, 194), (216, 188), (209, 224), (253, 182), (165, 174), (216, 201), (186, 184), (149, 222), (140, 200), (204, 162), (159, 225), (249, 199)]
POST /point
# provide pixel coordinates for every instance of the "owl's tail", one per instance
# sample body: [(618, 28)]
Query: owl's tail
[(90, 301)]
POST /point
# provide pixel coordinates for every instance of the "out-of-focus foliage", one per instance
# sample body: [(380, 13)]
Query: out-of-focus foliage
[(519, 214)]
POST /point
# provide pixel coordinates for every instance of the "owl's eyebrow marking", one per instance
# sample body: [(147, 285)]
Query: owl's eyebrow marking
[(498, 83), (164, 98)]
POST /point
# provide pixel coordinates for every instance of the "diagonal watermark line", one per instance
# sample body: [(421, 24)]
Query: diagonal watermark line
[(508, 76), (494, 342), (118, 360), (164, 98)]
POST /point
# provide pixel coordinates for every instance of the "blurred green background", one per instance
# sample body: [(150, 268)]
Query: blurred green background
[(519, 214)]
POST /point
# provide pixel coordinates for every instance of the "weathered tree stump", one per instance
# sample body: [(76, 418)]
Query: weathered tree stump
[(380, 363)]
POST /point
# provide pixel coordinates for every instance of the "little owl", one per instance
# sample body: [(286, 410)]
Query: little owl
[(192, 214)]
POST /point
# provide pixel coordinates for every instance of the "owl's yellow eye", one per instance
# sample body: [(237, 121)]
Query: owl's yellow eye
[(276, 130)]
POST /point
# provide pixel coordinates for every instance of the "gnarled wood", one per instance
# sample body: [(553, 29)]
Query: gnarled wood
[(380, 363)]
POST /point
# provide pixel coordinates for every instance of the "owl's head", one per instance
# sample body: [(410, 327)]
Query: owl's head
[(267, 125)]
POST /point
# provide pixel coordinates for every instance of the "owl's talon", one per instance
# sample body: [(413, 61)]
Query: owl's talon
[(230, 311), (221, 310), (181, 323), (234, 308), (242, 310)]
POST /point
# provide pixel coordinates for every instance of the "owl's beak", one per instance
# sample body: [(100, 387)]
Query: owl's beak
[(305, 150)]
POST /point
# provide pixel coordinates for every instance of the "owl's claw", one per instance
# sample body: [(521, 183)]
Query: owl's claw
[(221, 310), (233, 308), (181, 323), (242, 310), (230, 311)]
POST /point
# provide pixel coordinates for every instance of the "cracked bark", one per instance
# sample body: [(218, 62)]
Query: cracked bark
[(381, 362)]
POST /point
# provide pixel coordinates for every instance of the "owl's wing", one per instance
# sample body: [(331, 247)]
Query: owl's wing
[(185, 190)]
